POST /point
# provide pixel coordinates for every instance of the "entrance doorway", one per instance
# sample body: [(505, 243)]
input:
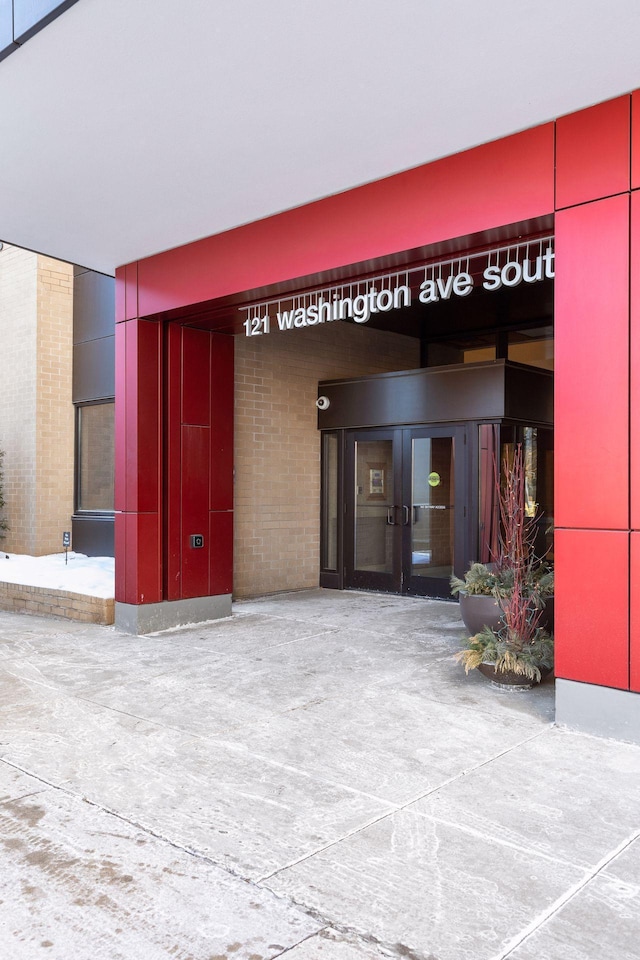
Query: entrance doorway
[(407, 473), (405, 508)]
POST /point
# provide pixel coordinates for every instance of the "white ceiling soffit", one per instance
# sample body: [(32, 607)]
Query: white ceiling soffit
[(127, 128)]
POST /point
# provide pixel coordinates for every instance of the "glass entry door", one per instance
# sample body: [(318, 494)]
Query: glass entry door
[(405, 509), (434, 488), (374, 481)]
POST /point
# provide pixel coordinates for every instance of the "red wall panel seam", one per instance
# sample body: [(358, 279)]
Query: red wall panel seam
[(585, 203), (596, 529)]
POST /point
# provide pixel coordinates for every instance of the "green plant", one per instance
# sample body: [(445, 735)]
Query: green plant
[(525, 659), (481, 580), (519, 582), (3, 521), (515, 557)]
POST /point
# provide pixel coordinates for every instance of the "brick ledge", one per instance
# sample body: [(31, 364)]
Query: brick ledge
[(46, 601)]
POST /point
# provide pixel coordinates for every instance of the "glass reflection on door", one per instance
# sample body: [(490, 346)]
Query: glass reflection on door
[(433, 507), (374, 510)]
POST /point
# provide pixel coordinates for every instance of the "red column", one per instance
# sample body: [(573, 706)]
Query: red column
[(635, 415), (138, 453), (199, 496), (174, 457), (592, 413)]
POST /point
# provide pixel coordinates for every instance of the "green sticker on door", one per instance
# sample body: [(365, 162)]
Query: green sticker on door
[(434, 479)]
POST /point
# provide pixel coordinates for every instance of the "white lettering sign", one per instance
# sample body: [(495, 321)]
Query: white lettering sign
[(359, 302)]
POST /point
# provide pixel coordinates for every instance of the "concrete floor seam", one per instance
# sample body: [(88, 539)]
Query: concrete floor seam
[(135, 716), (29, 773), (313, 636), (144, 828), (352, 935), (566, 898), (294, 946), (275, 801), (326, 846), (465, 773)]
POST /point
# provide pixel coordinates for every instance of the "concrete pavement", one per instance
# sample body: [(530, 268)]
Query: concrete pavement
[(313, 778)]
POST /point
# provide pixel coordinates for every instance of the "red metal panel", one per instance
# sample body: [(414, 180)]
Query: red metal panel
[(221, 539), (120, 418), (173, 478), (591, 625), (195, 510), (131, 413), (592, 365), (593, 153), (221, 496), (129, 535), (635, 140), (138, 450), (635, 361), (121, 554), (144, 542), (503, 182), (191, 462), (138, 547), (131, 291), (635, 613), (146, 416), (196, 376), (120, 295)]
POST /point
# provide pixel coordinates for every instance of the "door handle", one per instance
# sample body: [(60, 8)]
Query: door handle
[(405, 510), (391, 517)]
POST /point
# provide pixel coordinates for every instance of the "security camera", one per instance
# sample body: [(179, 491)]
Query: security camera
[(322, 403)]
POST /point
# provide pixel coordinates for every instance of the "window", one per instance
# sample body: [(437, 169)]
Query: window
[(474, 348), (329, 559), (95, 458), (533, 347), (497, 444)]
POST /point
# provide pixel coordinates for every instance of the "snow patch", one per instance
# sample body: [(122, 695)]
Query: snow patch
[(91, 576)]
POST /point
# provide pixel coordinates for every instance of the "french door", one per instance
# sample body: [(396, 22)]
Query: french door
[(405, 509)]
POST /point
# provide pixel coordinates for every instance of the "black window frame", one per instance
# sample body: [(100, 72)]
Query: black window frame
[(78, 510)]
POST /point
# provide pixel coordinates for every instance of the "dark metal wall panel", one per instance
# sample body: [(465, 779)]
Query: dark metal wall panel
[(93, 306), (93, 536), (482, 391), (94, 370), (93, 336), (431, 395), (529, 394)]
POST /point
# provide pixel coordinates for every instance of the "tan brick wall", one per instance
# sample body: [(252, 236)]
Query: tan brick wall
[(54, 407), (277, 452), (19, 326), (45, 601), (36, 413)]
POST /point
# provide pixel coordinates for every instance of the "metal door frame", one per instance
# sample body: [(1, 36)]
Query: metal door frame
[(401, 515), (436, 586)]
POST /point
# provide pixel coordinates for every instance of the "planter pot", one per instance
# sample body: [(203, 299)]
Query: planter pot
[(514, 681), (479, 611)]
